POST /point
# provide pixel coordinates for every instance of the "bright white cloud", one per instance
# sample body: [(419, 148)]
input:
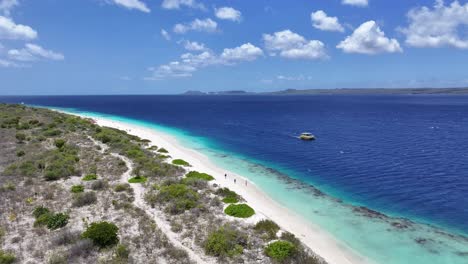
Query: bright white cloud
[(438, 26), (10, 30), (133, 4), (246, 52), (293, 78), (194, 46), (294, 46), (322, 21), (33, 52), (228, 13), (7, 5), (190, 63), (369, 39), (202, 25), (177, 4), (165, 34), (360, 3)]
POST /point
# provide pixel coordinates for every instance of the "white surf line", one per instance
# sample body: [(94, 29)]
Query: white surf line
[(139, 192)]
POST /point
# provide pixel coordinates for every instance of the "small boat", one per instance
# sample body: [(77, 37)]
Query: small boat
[(307, 136)]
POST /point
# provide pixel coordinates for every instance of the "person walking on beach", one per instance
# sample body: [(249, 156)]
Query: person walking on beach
[(225, 175), (245, 182), (234, 180)]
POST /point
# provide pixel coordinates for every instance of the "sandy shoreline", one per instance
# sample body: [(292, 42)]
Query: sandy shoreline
[(319, 241)]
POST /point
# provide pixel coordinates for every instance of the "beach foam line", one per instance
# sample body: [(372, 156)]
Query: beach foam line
[(318, 240)]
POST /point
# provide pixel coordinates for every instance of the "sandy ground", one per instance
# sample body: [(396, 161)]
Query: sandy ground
[(322, 243)]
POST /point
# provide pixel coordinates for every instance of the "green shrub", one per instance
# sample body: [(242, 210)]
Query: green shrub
[(180, 196), (267, 228), (122, 187), (61, 163), (239, 210), (20, 137), (42, 220), (163, 150), (224, 242), (102, 234), (40, 210), (90, 177), (280, 250), (51, 132), (138, 179), (77, 189), (99, 185), (20, 153), (199, 175), (228, 195), (6, 258), (59, 143), (181, 162), (57, 221), (122, 251), (84, 199)]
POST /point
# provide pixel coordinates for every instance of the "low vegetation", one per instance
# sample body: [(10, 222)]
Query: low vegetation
[(181, 162), (77, 189), (6, 258), (138, 179), (267, 228), (280, 250), (228, 195), (103, 234), (90, 177), (225, 242), (239, 210), (44, 217), (199, 176)]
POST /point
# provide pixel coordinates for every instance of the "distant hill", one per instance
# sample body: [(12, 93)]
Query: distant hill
[(348, 91)]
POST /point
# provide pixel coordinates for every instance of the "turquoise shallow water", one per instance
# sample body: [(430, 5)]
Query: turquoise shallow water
[(377, 236)]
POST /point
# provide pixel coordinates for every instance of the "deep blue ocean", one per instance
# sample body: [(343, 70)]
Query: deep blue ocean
[(404, 155)]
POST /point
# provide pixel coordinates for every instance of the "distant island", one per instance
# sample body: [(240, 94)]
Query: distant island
[(348, 91)]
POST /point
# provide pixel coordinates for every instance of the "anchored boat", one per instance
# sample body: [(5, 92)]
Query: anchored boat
[(307, 136)]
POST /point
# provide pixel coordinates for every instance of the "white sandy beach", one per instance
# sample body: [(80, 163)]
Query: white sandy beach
[(316, 239)]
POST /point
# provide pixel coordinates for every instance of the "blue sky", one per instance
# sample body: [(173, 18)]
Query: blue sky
[(170, 46)]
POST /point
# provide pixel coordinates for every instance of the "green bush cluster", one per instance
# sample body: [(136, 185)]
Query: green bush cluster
[(90, 177), (20, 137), (84, 199), (181, 162), (280, 250), (6, 258), (267, 228), (228, 195), (26, 168), (163, 150), (122, 187), (138, 179), (77, 189), (225, 242), (239, 210), (61, 163), (179, 196), (199, 176), (103, 234), (44, 217), (20, 153), (59, 143)]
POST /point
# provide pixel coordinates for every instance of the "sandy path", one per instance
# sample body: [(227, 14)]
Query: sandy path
[(139, 192)]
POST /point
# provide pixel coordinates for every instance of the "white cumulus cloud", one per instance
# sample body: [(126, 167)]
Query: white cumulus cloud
[(11, 30), (194, 46), (33, 52), (369, 39), (177, 4), (228, 13), (245, 52), (202, 25), (189, 63), (294, 46), (438, 26), (7, 5), (133, 4), (360, 3), (322, 21)]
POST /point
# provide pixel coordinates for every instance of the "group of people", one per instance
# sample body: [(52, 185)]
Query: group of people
[(235, 181)]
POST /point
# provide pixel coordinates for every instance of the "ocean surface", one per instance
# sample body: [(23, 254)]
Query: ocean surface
[(387, 175)]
